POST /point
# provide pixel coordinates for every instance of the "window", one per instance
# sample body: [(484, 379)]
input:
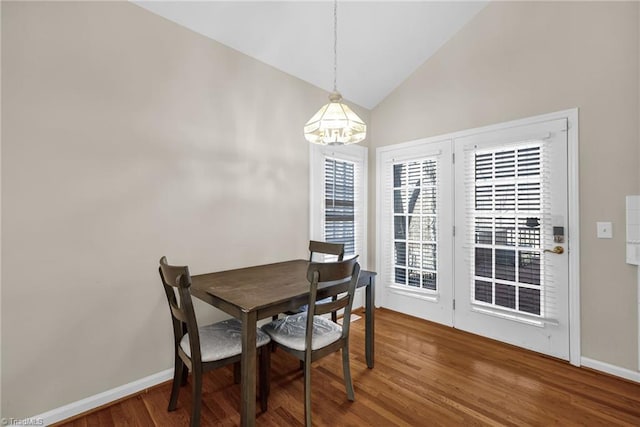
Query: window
[(339, 212), (507, 217), (415, 223), (338, 197)]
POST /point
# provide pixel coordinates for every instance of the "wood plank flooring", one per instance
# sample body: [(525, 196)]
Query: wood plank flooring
[(425, 375)]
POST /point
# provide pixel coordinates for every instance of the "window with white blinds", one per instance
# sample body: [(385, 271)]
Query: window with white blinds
[(507, 213), (338, 197), (415, 224)]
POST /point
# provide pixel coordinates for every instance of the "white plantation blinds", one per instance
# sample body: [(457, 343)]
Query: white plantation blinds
[(340, 209), (338, 198), (509, 218), (414, 188)]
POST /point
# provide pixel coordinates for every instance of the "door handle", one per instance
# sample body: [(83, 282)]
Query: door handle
[(556, 250)]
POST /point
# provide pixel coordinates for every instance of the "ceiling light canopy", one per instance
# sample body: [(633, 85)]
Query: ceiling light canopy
[(335, 123)]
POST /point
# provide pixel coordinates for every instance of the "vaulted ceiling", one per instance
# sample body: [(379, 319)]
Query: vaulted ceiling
[(380, 43)]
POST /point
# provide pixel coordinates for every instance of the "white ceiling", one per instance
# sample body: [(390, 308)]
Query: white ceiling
[(380, 43)]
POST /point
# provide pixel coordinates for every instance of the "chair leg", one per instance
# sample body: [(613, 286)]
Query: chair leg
[(177, 381), (347, 372), (268, 374), (265, 376), (273, 344), (197, 395), (236, 373), (307, 392), (185, 375)]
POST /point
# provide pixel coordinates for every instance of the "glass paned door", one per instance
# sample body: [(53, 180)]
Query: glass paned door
[(511, 280), (416, 258)]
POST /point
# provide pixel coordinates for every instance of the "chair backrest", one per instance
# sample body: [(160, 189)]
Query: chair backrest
[(316, 247), (182, 313), (335, 272)]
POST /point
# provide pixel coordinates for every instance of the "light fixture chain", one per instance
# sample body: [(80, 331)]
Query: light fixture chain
[(335, 45)]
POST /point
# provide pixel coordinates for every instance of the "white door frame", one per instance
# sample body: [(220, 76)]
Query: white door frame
[(573, 233)]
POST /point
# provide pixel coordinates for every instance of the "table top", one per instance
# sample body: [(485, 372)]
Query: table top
[(282, 284), (251, 288)]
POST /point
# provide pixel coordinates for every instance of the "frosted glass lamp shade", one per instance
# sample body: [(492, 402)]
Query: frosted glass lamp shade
[(335, 124)]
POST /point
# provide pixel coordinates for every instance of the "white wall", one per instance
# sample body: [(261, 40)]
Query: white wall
[(521, 59), (125, 138)]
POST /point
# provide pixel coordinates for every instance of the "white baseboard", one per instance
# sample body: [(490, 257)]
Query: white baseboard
[(97, 400), (627, 374)]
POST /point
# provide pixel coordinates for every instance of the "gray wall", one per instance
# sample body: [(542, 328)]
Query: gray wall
[(519, 59), (125, 138)]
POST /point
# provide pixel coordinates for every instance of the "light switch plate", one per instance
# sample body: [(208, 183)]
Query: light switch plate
[(605, 230)]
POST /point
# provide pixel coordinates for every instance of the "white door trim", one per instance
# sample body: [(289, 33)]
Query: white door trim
[(573, 237), (575, 349)]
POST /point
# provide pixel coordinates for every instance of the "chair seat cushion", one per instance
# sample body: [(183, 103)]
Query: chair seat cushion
[(221, 340), (290, 331)]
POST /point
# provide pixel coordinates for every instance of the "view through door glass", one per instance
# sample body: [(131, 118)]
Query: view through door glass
[(415, 224), (507, 214)]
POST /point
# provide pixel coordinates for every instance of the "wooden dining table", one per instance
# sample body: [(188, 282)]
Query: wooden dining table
[(259, 292)]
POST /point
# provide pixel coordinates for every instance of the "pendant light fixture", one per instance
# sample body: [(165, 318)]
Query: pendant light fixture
[(335, 123)]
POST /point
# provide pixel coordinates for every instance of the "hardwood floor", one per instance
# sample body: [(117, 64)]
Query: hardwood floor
[(425, 375)]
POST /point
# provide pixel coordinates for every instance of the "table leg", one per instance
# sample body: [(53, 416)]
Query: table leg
[(370, 292), (248, 370)]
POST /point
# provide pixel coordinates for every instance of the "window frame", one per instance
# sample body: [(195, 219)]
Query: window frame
[(514, 212), (352, 153), (436, 148)]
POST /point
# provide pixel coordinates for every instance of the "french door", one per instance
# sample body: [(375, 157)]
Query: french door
[(496, 264), (511, 263), (416, 233)]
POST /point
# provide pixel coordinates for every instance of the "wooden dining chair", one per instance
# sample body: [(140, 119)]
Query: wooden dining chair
[(202, 349), (308, 336), (326, 248), (317, 248)]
